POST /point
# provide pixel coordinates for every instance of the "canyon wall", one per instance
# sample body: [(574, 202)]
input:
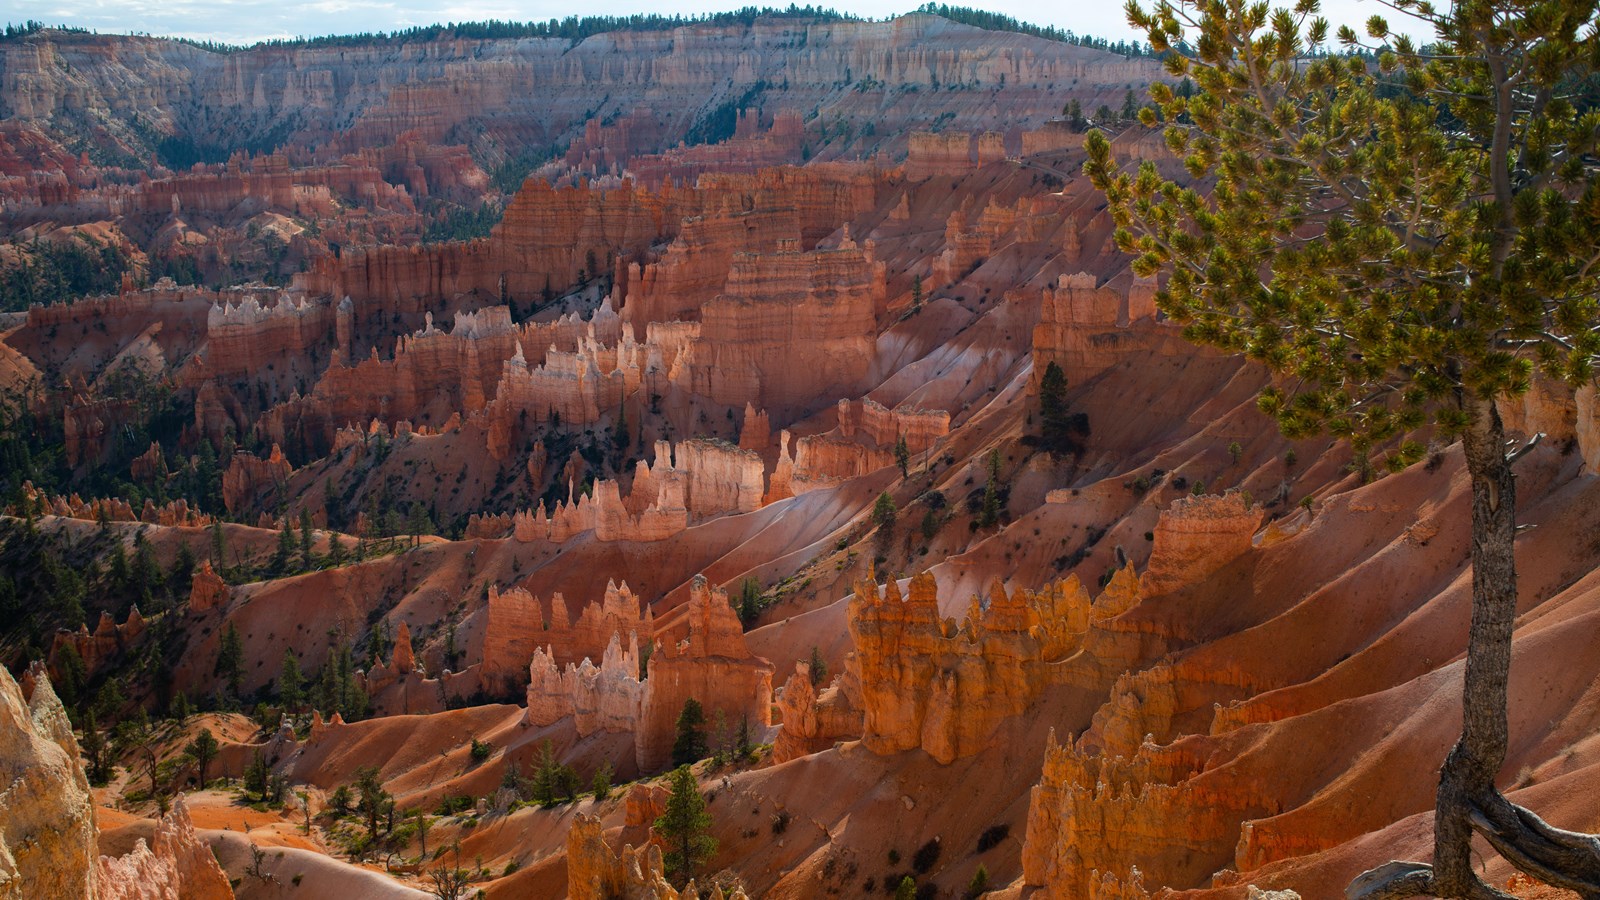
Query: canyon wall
[(792, 327)]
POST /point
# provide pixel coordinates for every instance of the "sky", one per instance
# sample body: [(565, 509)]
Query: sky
[(247, 21)]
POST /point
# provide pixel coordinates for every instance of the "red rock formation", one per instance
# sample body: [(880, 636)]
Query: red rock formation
[(108, 509), (792, 327), (609, 697), (1086, 329), (99, 647), (721, 478), (883, 427), (518, 626), (927, 683), (249, 338), (929, 154), (1196, 536), (1051, 137), (248, 476), (176, 865), (403, 661), (748, 150), (814, 721), (1097, 821), (207, 591), (756, 431), (595, 873), (713, 665), (821, 461)]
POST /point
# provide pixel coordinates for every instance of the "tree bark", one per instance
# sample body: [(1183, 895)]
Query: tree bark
[(1467, 777)]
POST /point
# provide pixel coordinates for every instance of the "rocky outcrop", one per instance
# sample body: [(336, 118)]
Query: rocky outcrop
[(929, 154), (867, 419), (106, 509), (404, 660), (721, 478), (176, 865), (814, 721), (98, 648), (250, 338), (925, 682), (248, 476), (608, 697), (792, 327), (696, 479), (713, 665), (207, 590), (519, 625), (47, 835), (1095, 821), (1086, 328), (1196, 536), (596, 873)]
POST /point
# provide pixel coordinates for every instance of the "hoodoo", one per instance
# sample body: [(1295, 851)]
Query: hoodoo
[(781, 453)]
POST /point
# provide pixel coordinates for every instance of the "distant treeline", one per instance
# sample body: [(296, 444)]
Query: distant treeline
[(34, 27), (575, 29), (572, 29), (993, 21)]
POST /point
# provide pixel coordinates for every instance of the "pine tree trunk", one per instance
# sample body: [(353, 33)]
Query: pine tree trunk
[(1469, 770)]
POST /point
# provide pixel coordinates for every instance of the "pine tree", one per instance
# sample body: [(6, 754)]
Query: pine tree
[(182, 709), (546, 774), (742, 745), (291, 683), (906, 889), (749, 604), (620, 439), (690, 744), (902, 456), (989, 516), (230, 660), (683, 826), (305, 539), (1409, 240), (1060, 430), (94, 751), (203, 749), (285, 552), (819, 668), (219, 550), (979, 882), (883, 513), (601, 785), (74, 677), (371, 799)]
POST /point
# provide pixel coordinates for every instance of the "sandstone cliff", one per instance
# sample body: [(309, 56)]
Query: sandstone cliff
[(47, 842)]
